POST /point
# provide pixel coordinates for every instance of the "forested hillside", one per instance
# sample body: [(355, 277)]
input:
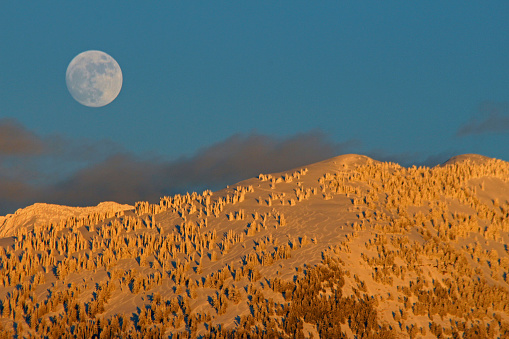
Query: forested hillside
[(348, 247)]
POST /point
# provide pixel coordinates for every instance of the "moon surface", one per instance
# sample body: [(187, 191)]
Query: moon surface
[(94, 78)]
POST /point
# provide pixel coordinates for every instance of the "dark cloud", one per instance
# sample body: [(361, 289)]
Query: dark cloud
[(15, 194), (121, 177), (15, 140), (491, 118), (126, 178)]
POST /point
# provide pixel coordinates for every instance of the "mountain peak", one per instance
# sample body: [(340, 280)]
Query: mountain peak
[(470, 157)]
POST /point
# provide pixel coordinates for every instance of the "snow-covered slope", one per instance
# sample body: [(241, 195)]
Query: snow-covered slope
[(473, 158), (41, 214)]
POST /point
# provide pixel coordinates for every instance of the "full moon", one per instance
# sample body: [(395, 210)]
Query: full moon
[(93, 78)]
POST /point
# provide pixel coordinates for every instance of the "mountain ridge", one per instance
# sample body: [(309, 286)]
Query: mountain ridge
[(43, 213), (347, 247)]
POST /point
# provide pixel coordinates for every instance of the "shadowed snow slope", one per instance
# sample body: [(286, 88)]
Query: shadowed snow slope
[(347, 247)]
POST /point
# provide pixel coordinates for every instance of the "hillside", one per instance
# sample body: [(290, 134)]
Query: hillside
[(44, 214), (347, 247)]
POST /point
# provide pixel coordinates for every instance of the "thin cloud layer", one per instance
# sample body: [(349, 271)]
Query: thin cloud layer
[(16, 140), (491, 118)]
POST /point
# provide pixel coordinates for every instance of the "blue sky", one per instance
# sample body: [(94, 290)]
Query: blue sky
[(212, 91)]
